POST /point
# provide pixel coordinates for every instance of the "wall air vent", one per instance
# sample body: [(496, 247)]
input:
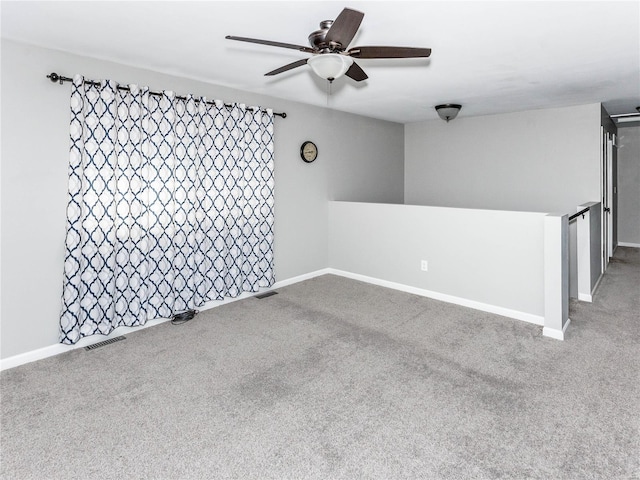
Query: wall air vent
[(106, 342)]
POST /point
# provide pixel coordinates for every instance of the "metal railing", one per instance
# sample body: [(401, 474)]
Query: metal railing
[(577, 214)]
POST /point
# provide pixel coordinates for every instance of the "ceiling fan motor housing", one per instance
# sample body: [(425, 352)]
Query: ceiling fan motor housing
[(316, 39)]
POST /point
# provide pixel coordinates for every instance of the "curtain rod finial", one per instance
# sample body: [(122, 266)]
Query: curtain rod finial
[(54, 77)]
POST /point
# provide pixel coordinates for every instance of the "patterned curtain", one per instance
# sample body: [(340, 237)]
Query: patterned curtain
[(170, 206)]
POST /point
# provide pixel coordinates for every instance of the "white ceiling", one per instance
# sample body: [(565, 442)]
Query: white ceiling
[(491, 57)]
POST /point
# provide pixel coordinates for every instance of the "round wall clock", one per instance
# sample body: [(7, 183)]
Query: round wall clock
[(308, 151)]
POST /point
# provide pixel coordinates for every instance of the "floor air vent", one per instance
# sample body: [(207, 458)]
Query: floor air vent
[(106, 342), (266, 294)]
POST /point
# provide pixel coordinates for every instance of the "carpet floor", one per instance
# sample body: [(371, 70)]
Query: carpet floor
[(338, 379)]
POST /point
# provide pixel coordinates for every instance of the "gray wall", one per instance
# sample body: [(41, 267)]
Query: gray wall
[(629, 185), (360, 159), (539, 160)]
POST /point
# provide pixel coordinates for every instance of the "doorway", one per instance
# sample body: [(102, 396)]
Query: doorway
[(608, 190)]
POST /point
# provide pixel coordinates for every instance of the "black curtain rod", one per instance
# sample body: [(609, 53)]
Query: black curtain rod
[(54, 77)]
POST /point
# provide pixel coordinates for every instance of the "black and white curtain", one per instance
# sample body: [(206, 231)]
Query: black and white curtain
[(170, 206)]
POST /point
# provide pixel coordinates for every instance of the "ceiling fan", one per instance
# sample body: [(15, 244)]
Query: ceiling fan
[(331, 59)]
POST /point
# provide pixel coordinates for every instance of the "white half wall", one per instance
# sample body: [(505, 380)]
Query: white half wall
[(556, 275), (589, 250), (486, 259), (359, 159)]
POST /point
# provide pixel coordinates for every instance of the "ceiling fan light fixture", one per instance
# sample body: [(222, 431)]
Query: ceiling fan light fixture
[(448, 111), (330, 65)]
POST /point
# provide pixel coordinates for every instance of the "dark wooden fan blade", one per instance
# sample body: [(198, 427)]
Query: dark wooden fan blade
[(356, 73), (344, 27), (290, 66), (273, 44), (389, 52)]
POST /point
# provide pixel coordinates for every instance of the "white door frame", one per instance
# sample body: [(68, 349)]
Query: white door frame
[(610, 144), (606, 189)]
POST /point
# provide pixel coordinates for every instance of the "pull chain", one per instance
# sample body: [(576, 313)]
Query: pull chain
[(330, 82)]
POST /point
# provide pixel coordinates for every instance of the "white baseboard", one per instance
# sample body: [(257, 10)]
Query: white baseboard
[(595, 287), (588, 297), (58, 348), (242, 296), (627, 244), (554, 332), (485, 307), (34, 355), (300, 278)]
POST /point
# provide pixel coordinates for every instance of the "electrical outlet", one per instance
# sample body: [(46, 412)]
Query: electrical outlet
[(424, 266)]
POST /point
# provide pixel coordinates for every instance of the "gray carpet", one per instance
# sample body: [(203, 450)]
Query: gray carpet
[(334, 378)]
